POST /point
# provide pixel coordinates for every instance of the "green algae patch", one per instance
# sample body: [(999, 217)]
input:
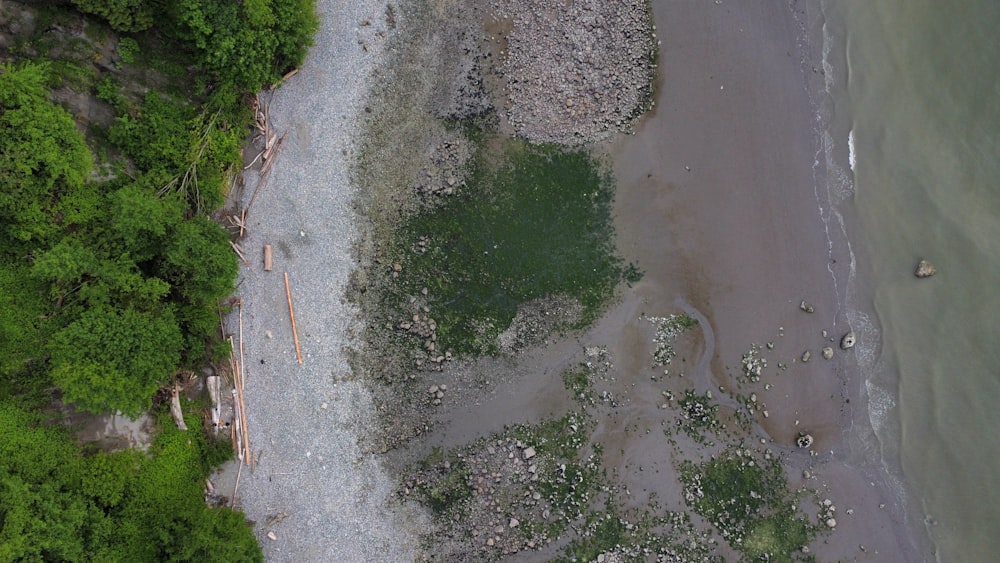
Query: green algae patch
[(746, 497), (532, 222)]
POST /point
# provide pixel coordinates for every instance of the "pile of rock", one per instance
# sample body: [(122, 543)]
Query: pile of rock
[(502, 477), (444, 173), (576, 71), (425, 327)]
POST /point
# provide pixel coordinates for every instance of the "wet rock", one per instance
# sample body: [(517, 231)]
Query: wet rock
[(804, 440), (925, 269), (827, 353), (805, 306), (848, 341), (831, 522)]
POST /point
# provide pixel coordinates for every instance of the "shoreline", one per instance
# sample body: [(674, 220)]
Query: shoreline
[(715, 171), (757, 128)]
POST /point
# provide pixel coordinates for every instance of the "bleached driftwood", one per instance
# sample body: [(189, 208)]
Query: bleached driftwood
[(175, 407), (268, 258), (214, 384)]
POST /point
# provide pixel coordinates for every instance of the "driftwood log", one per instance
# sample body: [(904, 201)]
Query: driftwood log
[(214, 384), (291, 313), (175, 407)]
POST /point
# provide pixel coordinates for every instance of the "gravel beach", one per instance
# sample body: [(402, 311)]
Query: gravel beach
[(314, 494)]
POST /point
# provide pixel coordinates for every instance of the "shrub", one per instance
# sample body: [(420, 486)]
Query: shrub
[(127, 49), (122, 15), (111, 359)]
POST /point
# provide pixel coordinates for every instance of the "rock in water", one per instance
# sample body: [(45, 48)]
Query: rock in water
[(848, 341), (804, 440), (925, 269), (827, 353), (805, 306), (806, 355)]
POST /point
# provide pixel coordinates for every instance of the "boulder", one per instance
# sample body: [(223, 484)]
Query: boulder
[(804, 440), (925, 269), (848, 341)]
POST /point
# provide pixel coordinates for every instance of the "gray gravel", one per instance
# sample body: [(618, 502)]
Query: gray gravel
[(307, 422), (577, 72)]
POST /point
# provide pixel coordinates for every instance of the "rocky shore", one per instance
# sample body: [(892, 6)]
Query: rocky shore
[(594, 445)]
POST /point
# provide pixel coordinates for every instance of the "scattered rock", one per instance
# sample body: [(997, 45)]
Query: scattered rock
[(827, 353), (513, 523), (576, 72), (529, 453), (848, 341), (925, 269), (272, 536), (805, 306)]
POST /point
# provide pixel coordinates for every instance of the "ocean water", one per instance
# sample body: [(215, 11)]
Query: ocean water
[(914, 115)]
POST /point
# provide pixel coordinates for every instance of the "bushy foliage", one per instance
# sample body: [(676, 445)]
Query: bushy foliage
[(116, 359), (117, 281), (22, 319), (56, 503), (43, 162), (246, 44), (122, 15), (175, 148)]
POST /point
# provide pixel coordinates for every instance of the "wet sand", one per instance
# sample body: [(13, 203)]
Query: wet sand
[(720, 203), (717, 202)]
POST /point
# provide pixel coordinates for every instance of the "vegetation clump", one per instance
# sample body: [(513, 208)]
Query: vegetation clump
[(118, 141), (746, 497), (59, 502), (697, 415), (578, 380), (533, 222), (667, 330)]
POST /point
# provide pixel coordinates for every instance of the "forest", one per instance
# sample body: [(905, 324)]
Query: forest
[(121, 124)]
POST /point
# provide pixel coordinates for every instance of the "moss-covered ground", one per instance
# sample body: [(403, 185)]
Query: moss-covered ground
[(532, 222)]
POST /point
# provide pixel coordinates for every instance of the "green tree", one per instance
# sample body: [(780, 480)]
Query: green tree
[(23, 323), (44, 161), (58, 504), (199, 262), (112, 359), (248, 45)]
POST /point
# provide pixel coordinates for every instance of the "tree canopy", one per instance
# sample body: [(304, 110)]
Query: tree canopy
[(43, 161), (58, 503)]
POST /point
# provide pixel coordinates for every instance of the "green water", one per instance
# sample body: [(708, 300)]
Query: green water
[(921, 93)]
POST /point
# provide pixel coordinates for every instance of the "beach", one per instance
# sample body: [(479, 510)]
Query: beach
[(314, 491), (724, 171), (722, 201)]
